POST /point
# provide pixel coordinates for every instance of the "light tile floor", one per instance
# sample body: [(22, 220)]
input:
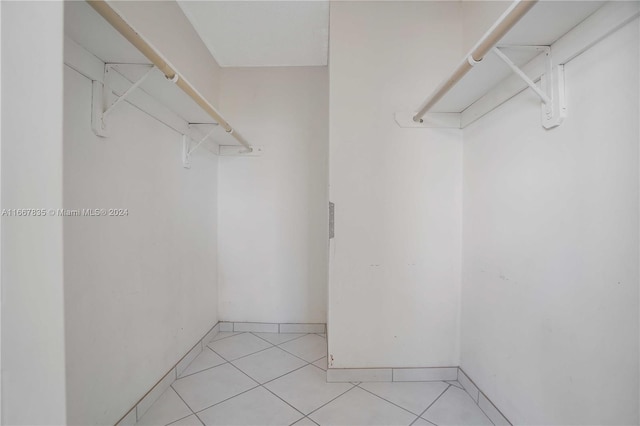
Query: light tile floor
[(279, 379)]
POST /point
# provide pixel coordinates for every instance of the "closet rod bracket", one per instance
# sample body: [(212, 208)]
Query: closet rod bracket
[(102, 93), (239, 151), (187, 150), (551, 92)]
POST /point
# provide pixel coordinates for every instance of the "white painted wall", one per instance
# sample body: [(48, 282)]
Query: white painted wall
[(140, 290), (477, 18), (395, 267), (33, 360), (273, 208), (550, 283), (167, 29)]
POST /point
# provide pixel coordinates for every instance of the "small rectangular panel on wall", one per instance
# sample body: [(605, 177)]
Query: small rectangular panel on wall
[(332, 220)]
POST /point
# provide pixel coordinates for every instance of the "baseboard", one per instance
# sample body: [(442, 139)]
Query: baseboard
[(426, 374), (485, 404), (140, 408), (270, 327)]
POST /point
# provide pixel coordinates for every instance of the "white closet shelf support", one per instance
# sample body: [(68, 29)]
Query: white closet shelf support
[(554, 108), (186, 145), (104, 9), (540, 38), (543, 96), (508, 20), (102, 92), (133, 87)]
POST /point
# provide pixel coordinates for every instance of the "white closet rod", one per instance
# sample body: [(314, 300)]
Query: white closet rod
[(508, 19), (113, 18)]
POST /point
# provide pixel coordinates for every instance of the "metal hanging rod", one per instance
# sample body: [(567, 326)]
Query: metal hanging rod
[(119, 23), (508, 19)]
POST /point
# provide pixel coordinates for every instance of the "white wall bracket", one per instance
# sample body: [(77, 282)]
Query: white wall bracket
[(239, 151), (102, 106), (429, 120), (554, 108), (186, 146)]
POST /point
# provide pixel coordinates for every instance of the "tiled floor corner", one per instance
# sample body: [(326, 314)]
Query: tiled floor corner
[(245, 378)]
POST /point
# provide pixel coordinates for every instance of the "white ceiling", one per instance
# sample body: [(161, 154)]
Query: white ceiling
[(262, 33)]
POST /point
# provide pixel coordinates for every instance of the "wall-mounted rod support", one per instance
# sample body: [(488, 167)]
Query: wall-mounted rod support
[(508, 19), (133, 87), (201, 140), (545, 98), (121, 25)]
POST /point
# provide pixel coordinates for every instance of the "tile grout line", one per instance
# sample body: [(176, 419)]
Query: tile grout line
[(305, 417), (204, 369), (205, 344), (330, 401), (261, 385), (231, 363), (281, 343), (431, 405), (267, 389), (199, 419), (390, 402), (306, 363), (235, 333), (300, 357), (281, 376), (180, 396), (227, 399), (277, 396), (295, 338), (275, 346), (312, 362), (181, 418), (243, 356)]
